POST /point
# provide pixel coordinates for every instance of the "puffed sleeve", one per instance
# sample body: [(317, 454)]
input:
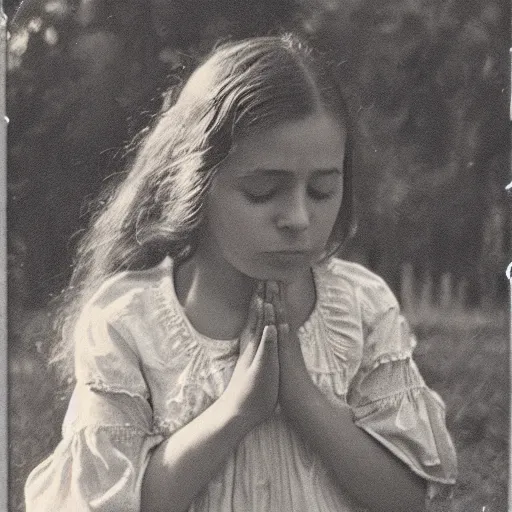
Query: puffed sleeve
[(107, 436), (390, 400)]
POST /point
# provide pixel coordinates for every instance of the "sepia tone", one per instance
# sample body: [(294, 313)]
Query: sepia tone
[(428, 88)]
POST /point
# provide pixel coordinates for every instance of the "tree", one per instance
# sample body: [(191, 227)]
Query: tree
[(427, 84)]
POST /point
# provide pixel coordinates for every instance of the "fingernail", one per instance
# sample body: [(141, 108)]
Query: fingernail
[(270, 329)]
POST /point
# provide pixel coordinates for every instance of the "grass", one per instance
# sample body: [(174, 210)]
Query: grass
[(464, 356), (468, 364)]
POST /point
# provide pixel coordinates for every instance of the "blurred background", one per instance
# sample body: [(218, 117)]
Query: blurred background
[(427, 82)]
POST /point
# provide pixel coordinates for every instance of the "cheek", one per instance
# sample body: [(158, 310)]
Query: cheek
[(234, 224), (326, 217)]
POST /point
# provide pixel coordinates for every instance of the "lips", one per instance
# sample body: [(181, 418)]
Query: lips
[(292, 252), (290, 255)]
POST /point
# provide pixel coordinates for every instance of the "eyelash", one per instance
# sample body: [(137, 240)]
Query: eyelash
[(262, 198), (320, 196), (259, 198)]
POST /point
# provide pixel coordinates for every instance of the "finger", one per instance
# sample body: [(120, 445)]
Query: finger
[(252, 319), (260, 289), (281, 292), (283, 332), (268, 344), (283, 339), (269, 314), (250, 337), (260, 318), (271, 291), (278, 302), (280, 312)]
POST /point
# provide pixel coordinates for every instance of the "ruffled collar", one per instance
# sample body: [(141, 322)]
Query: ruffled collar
[(318, 271)]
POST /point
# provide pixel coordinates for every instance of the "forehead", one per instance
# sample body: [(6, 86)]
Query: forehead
[(315, 142)]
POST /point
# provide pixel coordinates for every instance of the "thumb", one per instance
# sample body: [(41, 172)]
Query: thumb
[(249, 337), (284, 337), (268, 343)]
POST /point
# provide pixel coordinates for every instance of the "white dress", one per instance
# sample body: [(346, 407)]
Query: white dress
[(143, 372)]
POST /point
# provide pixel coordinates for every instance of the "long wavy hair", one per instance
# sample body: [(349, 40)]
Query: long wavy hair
[(157, 209)]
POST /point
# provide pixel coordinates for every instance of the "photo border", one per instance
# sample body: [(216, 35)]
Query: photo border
[(4, 386)]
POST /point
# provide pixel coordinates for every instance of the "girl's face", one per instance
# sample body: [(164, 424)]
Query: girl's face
[(274, 200)]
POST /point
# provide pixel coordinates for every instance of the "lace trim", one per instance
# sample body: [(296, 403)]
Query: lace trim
[(121, 433), (391, 358), (391, 400), (413, 463), (171, 314), (335, 321), (308, 324), (100, 386)]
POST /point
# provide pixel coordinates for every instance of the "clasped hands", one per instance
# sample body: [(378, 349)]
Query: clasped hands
[(270, 368)]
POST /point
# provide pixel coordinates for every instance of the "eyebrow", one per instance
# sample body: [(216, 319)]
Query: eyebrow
[(284, 173)]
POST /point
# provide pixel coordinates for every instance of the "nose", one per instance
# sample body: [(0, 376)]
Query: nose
[(294, 214)]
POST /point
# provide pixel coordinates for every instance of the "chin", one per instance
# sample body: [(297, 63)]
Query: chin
[(286, 274)]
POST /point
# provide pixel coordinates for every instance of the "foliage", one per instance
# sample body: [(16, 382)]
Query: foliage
[(431, 83), (469, 367)]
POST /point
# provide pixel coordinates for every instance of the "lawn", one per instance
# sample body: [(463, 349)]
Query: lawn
[(464, 356)]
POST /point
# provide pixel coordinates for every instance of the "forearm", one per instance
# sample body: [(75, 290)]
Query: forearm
[(184, 464), (368, 472)]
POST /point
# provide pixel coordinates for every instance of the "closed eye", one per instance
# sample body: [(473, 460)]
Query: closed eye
[(317, 195), (261, 188), (264, 187), (260, 197), (324, 186), (320, 195)]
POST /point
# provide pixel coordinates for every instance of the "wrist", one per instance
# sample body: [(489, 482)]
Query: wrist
[(293, 373), (236, 420), (295, 390)]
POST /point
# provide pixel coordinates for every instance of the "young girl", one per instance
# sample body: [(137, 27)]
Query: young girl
[(225, 360)]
